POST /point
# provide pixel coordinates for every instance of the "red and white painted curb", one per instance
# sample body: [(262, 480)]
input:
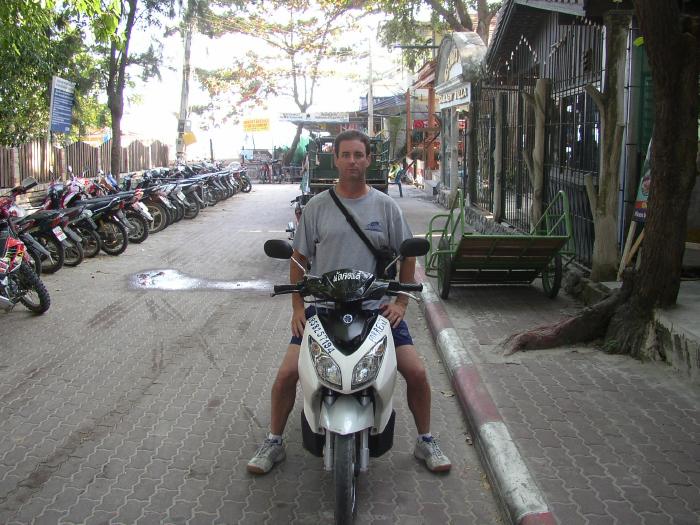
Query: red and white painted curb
[(508, 472)]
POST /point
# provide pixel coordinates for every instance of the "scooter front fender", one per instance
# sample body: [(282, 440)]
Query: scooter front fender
[(346, 415)]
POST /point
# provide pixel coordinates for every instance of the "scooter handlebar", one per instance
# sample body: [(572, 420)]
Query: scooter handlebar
[(285, 288), (396, 286)]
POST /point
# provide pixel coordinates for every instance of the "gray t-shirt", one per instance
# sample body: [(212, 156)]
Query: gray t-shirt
[(326, 239)]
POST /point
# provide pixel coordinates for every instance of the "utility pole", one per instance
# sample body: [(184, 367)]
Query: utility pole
[(370, 97), (180, 143)]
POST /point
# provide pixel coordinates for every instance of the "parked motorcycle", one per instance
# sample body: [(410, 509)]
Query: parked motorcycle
[(18, 282), (347, 370), (299, 202)]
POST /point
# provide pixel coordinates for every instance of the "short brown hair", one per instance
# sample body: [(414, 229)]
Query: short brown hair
[(351, 134)]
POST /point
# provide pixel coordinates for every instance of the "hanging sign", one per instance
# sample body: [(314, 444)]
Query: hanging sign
[(256, 124), (327, 117), (61, 108), (640, 205)]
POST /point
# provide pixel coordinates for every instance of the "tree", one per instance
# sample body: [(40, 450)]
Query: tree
[(148, 13), (37, 41), (295, 39), (604, 201), (672, 44), (405, 28)]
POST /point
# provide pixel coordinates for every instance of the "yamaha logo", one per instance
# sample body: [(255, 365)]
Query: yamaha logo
[(347, 318)]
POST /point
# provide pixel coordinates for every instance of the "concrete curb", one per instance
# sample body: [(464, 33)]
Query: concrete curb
[(516, 488)]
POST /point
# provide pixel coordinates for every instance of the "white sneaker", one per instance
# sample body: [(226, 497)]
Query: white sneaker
[(429, 451), (269, 453)]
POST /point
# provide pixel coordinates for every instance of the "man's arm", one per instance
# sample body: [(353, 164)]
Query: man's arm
[(296, 275), (396, 311)]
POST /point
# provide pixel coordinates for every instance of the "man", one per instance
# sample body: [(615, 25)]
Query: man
[(325, 239)]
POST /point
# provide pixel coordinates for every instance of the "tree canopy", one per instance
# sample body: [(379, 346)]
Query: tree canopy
[(421, 22), (37, 41)]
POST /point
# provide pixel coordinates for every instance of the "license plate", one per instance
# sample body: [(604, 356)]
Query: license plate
[(181, 196), (58, 232), (165, 200), (141, 206)]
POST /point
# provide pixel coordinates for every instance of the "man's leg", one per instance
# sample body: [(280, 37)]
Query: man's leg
[(282, 403), (284, 390), (411, 367)]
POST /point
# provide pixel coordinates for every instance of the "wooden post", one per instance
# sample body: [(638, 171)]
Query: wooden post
[(409, 124), (471, 145), (627, 250), (432, 124), (498, 160), (535, 162)]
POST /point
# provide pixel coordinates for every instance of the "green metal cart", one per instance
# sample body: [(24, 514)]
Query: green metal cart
[(463, 258)]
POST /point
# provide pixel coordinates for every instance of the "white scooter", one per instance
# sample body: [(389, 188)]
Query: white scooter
[(347, 370)]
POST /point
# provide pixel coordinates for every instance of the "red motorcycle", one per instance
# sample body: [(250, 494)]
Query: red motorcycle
[(18, 282)]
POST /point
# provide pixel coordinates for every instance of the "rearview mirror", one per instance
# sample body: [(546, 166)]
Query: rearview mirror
[(28, 183), (278, 249), (414, 247)]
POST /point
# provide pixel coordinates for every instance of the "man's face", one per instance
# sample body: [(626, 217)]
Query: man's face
[(352, 161)]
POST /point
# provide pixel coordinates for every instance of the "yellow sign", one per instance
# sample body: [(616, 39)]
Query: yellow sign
[(256, 124), (189, 138)]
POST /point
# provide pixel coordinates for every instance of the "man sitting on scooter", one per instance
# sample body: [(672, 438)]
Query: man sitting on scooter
[(326, 240)]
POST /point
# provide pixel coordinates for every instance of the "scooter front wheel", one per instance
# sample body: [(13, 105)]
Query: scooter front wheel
[(344, 478)]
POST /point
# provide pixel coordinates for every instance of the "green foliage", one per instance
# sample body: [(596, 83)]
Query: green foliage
[(407, 25), (37, 41)]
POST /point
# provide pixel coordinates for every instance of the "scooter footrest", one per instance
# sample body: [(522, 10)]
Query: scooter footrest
[(312, 442), (381, 443)]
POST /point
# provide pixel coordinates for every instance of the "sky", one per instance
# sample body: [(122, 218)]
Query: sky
[(154, 114)]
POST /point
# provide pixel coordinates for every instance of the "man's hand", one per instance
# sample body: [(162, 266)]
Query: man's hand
[(394, 312), (298, 321)]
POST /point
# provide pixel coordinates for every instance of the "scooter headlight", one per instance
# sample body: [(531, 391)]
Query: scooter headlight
[(326, 368), (367, 368)]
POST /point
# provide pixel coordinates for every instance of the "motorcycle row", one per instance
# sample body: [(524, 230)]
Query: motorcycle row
[(82, 216)]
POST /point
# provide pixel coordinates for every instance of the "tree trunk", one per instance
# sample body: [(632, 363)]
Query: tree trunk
[(116, 158), (290, 154), (604, 204), (673, 58), (115, 88)]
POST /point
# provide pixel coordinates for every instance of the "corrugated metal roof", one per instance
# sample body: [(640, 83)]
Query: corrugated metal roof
[(518, 17)]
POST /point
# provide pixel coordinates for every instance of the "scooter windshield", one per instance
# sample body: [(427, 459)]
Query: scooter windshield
[(347, 285)]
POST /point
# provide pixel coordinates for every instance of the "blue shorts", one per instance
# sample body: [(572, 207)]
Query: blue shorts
[(401, 335)]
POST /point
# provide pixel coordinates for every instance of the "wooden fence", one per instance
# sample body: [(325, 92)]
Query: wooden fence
[(33, 160)]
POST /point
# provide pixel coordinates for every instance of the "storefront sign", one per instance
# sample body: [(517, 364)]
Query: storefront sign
[(452, 59), (256, 124), (461, 95)]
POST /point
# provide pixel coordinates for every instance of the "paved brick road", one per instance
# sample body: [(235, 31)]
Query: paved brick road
[(608, 439), (128, 405)]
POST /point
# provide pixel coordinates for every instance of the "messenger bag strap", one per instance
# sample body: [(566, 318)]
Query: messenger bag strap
[(351, 221)]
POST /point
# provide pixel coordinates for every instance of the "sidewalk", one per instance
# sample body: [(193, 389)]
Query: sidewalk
[(569, 435)]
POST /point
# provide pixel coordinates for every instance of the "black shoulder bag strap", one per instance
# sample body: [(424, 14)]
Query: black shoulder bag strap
[(351, 221)]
